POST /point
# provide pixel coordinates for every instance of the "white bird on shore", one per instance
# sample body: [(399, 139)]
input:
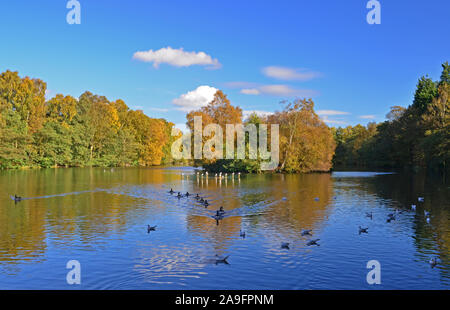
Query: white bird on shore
[(413, 207)]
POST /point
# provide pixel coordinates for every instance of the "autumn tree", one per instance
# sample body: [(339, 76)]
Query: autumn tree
[(306, 142)]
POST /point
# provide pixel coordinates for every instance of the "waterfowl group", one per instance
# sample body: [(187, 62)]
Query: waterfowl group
[(392, 217), (219, 215), (225, 175)]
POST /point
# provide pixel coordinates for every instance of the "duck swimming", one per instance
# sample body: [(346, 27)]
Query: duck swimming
[(433, 262), (363, 230), (391, 217), (202, 200), (218, 216), (242, 233), (285, 245), (221, 210), (222, 260), (171, 191), (187, 194), (369, 215), (17, 198), (150, 228), (313, 242), (197, 196), (179, 195), (306, 233)]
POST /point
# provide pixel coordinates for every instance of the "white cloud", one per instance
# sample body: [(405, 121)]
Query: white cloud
[(279, 90), (288, 74), (370, 116), (195, 99), (334, 121), (177, 58), (250, 91), (331, 112), (247, 113)]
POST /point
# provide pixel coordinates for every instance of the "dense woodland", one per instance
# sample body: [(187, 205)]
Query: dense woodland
[(65, 131), (92, 131), (416, 137)]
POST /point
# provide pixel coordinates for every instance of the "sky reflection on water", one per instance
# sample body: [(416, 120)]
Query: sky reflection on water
[(100, 217)]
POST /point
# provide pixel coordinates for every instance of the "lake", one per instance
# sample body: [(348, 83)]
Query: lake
[(99, 217)]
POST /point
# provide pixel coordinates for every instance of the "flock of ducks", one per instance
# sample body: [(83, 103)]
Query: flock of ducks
[(285, 245), (219, 215), (364, 230), (392, 217)]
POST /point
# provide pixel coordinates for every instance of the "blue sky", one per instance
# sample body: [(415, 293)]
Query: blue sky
[(257, 52)]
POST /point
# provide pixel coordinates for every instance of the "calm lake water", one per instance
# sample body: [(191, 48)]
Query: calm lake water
[(99, 217)]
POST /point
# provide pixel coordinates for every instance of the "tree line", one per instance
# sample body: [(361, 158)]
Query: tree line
[(416, 137), (306, 143), (69, 132), (93, 131)]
